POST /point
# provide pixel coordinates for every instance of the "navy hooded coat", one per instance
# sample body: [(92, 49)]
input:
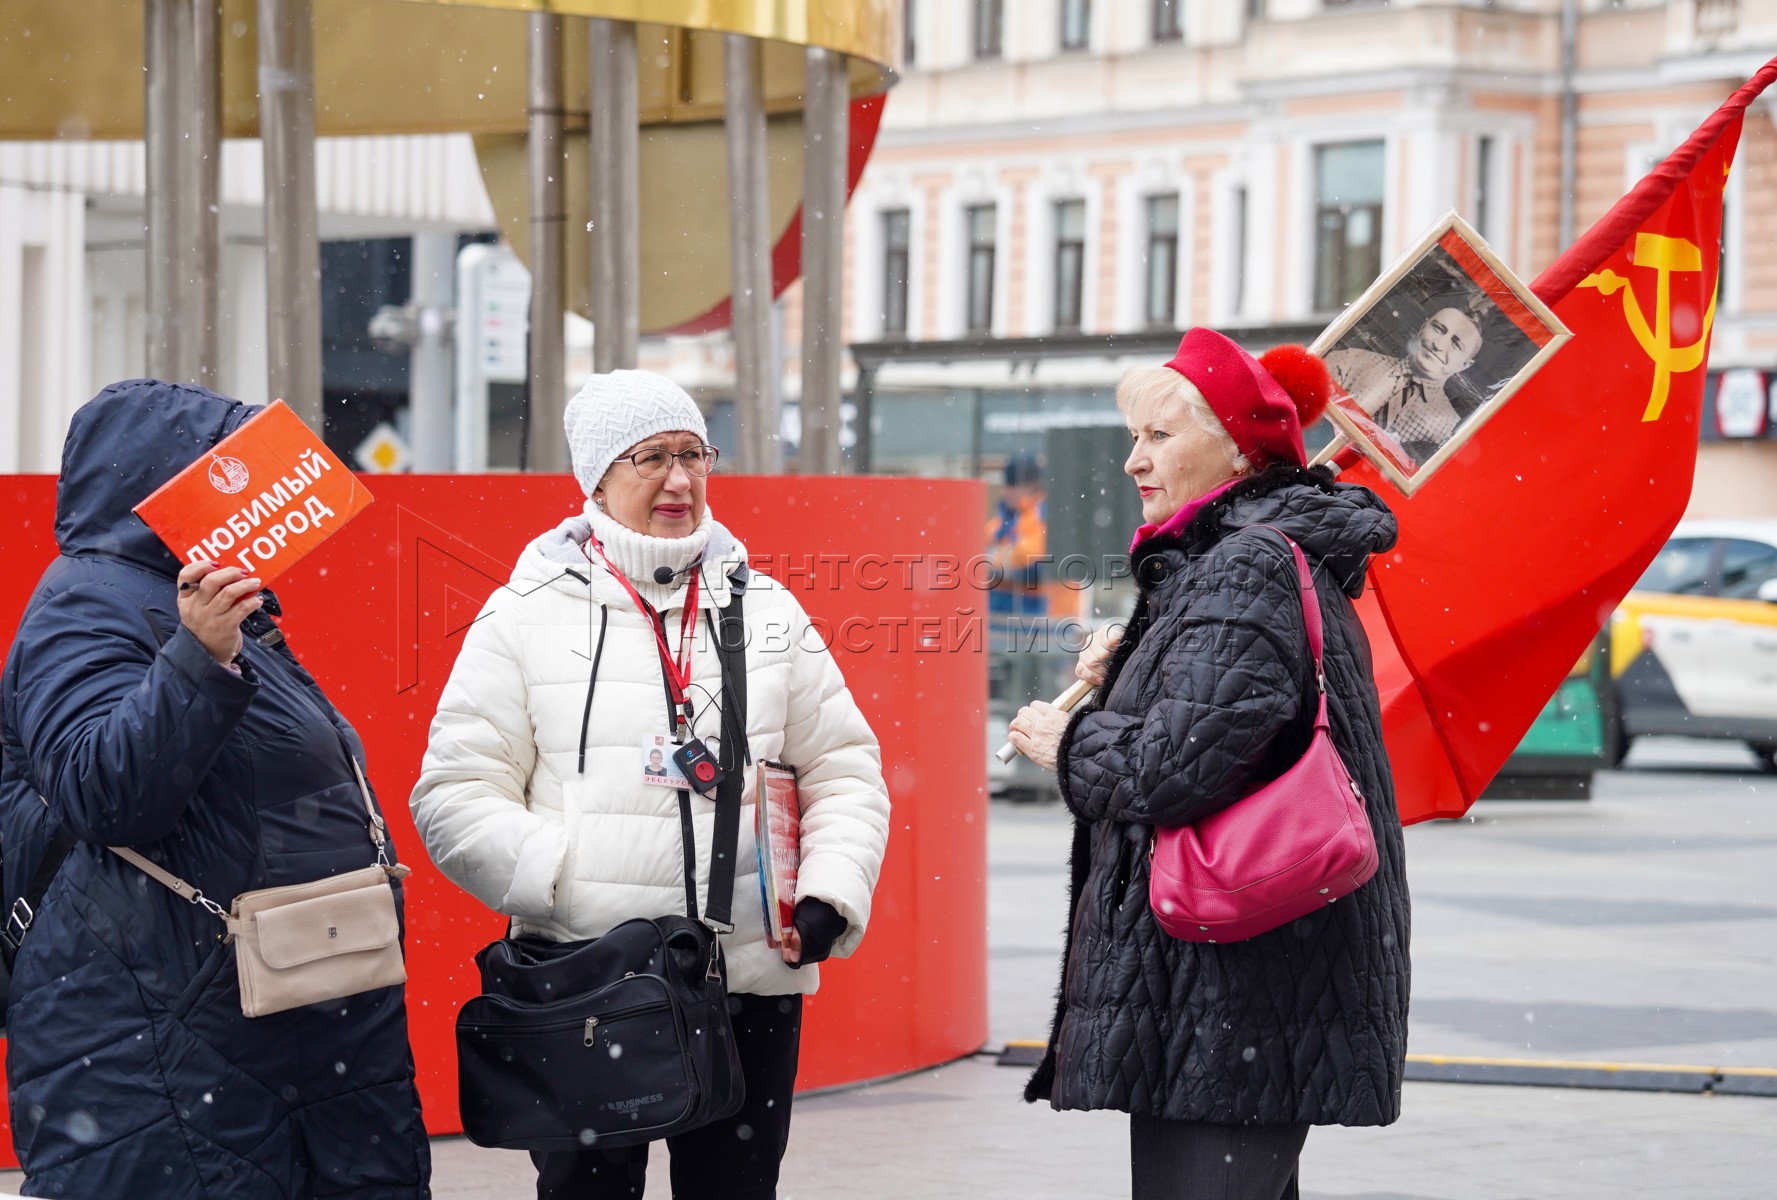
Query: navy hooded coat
[(131, 1069)]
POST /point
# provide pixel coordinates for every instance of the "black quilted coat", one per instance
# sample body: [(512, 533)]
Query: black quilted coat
[(1208, 697), (132, 1074)]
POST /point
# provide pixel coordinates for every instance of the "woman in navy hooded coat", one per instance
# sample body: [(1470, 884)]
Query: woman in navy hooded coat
[(131, 1070)]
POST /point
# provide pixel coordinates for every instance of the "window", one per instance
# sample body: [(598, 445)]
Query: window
[(1169, 20), (1347, 221), (1161, 305), (1680, 568), (1070, 262), (1745, 567), (896, 234), (978, 220), (1483, 202), (1076, 24), (990, 19), (1716, 19)]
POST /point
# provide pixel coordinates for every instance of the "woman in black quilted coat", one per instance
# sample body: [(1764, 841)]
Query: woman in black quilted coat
[(1224, 1055)]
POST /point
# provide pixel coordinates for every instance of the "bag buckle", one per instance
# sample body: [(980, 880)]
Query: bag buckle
[(20, 918), (379, 837), (718, 927)]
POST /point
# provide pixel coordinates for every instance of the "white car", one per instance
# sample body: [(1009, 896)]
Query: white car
[(1694, 646)]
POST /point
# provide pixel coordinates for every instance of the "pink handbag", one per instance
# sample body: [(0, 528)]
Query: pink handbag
[(1298, 843)]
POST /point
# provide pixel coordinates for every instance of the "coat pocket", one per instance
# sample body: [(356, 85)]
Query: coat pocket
[(220, 956), (574, 793)]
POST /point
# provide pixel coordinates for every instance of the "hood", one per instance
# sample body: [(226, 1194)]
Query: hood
[(557, 559), (1338, 525), (122, 445)]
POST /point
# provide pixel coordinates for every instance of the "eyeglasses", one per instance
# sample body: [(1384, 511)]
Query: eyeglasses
[(658, 464)]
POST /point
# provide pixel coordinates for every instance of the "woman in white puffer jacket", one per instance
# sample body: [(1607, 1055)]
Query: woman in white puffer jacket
[(532, 795)]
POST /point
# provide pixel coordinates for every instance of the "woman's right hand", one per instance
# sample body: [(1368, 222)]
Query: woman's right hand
[(1097, 654), (213, 601)]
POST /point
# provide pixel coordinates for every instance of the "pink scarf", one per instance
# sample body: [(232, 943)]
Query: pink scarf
[(1178, 520)]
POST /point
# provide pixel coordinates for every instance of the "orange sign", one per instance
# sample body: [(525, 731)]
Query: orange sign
[(263, 497)]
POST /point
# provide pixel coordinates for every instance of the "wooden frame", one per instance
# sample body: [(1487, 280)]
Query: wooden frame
[(1402, 399)]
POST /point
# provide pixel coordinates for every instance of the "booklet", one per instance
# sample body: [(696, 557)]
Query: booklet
[(777, 807), (263, 497)]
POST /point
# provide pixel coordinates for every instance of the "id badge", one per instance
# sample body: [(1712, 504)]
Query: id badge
[(658, 767)]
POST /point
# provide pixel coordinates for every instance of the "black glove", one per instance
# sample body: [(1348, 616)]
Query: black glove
[(820, 925)]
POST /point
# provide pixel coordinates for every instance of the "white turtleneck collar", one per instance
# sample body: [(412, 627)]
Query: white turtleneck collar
[(639, 555)]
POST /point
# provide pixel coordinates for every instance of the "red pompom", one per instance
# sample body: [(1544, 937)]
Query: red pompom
[(1304, 376)]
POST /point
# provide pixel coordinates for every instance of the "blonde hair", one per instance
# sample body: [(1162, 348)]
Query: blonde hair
[(1157, 385)]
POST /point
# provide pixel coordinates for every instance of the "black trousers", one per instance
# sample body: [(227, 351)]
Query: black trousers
[(1184, 1160), (732, 1159)]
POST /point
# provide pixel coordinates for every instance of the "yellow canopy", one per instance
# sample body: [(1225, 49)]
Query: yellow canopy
[(74, 70)]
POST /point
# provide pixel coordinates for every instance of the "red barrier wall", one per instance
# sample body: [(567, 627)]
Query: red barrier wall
[(378, 614)]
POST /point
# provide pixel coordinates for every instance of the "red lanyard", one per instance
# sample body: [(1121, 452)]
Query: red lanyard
[(677, 672)]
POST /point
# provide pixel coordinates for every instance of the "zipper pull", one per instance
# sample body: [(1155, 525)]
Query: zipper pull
[(591, 1024)]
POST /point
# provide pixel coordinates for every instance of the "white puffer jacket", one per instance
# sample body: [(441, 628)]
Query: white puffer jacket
[(509, 813)]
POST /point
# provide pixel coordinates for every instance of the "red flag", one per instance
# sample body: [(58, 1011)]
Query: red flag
[(1511, 560)]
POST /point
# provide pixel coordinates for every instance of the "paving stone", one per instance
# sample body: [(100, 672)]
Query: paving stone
[(1636, 928)]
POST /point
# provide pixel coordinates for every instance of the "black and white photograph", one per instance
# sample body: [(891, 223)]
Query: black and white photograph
[(1431, 350)]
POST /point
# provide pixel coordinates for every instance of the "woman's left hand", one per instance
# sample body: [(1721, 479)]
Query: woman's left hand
[(1036, 732), (792, 947)]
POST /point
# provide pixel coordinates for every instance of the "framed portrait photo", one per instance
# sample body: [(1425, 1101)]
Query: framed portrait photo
[(1431, 350)]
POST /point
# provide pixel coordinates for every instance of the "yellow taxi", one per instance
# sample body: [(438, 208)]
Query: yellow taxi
[(1693, 649)]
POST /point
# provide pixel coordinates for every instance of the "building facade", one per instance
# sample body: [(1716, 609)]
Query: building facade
[(1051, 172), (1058, 188), (72, 274)]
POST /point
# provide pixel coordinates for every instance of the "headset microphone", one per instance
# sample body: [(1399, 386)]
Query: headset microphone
[(665, 575)]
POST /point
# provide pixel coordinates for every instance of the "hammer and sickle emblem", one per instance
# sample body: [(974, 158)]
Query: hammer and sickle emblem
[(1663, 255)]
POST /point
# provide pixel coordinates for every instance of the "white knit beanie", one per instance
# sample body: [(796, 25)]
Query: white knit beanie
[(613, 412)]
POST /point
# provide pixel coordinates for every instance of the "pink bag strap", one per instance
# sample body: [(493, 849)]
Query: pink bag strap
[(1310, 615)]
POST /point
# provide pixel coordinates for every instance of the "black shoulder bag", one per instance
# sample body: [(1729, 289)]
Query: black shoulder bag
[(624, 1038)]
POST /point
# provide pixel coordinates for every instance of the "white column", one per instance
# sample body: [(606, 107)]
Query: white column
[(292, 236), (616, 238), (430, 378), (749, 238), (825, 125), (546, 444), (182, 126)]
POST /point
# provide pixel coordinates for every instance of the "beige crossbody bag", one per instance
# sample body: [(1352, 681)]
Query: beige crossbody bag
[(309, 942)]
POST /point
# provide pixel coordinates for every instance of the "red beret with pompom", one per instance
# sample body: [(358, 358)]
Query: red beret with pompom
[(1263, 404), (1304, 376)]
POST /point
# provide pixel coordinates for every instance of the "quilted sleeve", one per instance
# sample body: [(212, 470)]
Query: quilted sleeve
[(1231, 659), (470, 802), (117, 731), (845, 803)]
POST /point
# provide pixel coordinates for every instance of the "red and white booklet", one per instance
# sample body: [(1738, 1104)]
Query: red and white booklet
[(777, 806)]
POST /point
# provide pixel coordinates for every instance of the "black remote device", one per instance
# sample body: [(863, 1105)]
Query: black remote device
[(698, 766)]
